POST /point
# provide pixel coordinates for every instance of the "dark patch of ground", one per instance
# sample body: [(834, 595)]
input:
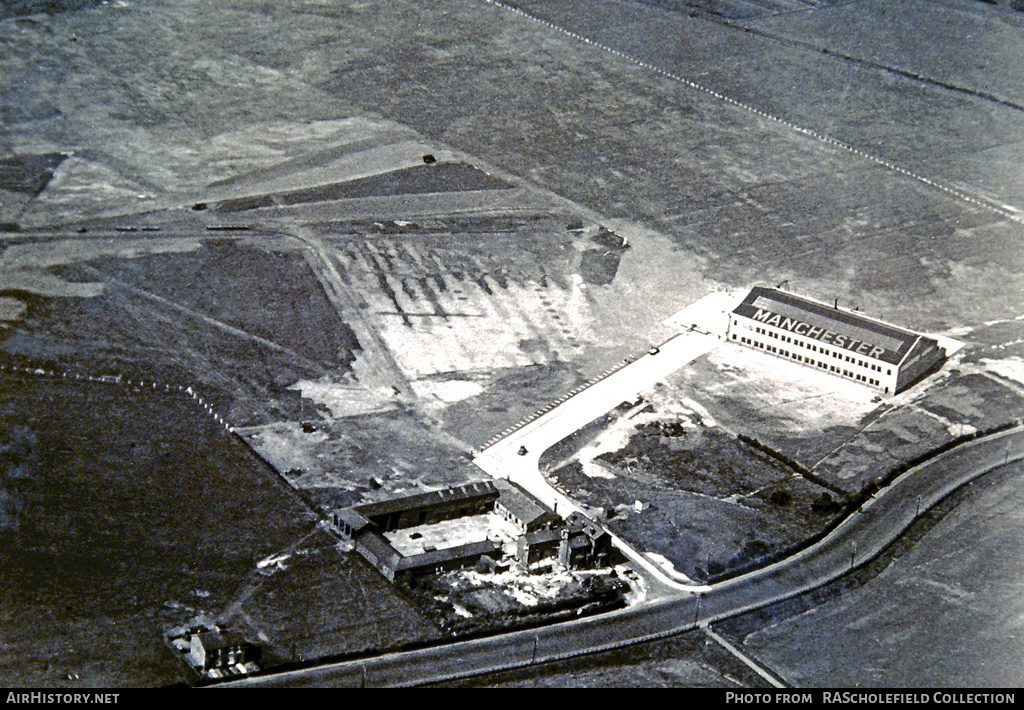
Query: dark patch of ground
[(599, 266), (422, 179), (28, 174), (325, 602), (125, 512), (269, 293), (18, 8), (509, 397), (958, 405), (232, 319), (713, 504), (953, 562), (705, 461)]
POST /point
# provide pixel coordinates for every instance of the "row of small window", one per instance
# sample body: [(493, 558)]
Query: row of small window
[(823, 351), (809, 361)]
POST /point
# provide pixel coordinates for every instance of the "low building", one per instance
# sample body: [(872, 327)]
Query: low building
[(537, 546), (366, 524), (584, 544), (522, 510), (448, 559), (215, 649), (578, 543), (429, 508), (350, 522), (830, 339)]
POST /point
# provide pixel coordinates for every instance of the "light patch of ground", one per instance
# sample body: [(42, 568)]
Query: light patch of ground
[(1011, 368), (655, 279), (667, 566), (332, 151), (960, 399), (849, 465), (526, 589), (355, 165), (287, 447), (955, 429), (270, 156), (83, 186), (447, 391), (709, 314), (11, 309), (521, 325), (462, 611), (44, 284), (800, 399), (950, 345), (688, 413), (12, 204), (344, 400), (593, 469), (43, 255)]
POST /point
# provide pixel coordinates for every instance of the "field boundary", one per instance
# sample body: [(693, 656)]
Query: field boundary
[(120, 379), (985, 203)]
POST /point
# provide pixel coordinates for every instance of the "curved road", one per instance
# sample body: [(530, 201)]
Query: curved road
[(860, 537)]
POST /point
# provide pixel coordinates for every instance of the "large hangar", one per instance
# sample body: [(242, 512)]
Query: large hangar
[(838, 341)]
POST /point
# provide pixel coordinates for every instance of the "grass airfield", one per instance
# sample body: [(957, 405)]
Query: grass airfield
[(236, 197)]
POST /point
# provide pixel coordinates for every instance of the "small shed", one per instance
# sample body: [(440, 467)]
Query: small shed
[(214, 649)]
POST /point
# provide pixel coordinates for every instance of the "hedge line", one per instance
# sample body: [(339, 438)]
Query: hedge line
[(852, 504)]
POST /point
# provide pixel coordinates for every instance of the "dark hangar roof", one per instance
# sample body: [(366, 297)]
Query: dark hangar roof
[(419, 501), (856, 329)]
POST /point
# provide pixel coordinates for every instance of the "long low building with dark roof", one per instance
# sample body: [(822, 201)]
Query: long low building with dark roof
[(365, 526), (830, 339)]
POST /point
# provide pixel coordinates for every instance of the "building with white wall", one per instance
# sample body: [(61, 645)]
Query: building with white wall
[(841, 342)]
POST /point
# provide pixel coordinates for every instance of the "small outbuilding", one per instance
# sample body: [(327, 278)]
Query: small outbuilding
[(584, 544), (216, 649), (522, 510)]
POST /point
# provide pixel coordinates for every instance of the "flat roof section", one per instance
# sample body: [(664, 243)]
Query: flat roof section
[(833, 326), (450, 533)]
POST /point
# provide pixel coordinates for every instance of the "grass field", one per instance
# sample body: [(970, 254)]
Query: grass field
[(124, 513)]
